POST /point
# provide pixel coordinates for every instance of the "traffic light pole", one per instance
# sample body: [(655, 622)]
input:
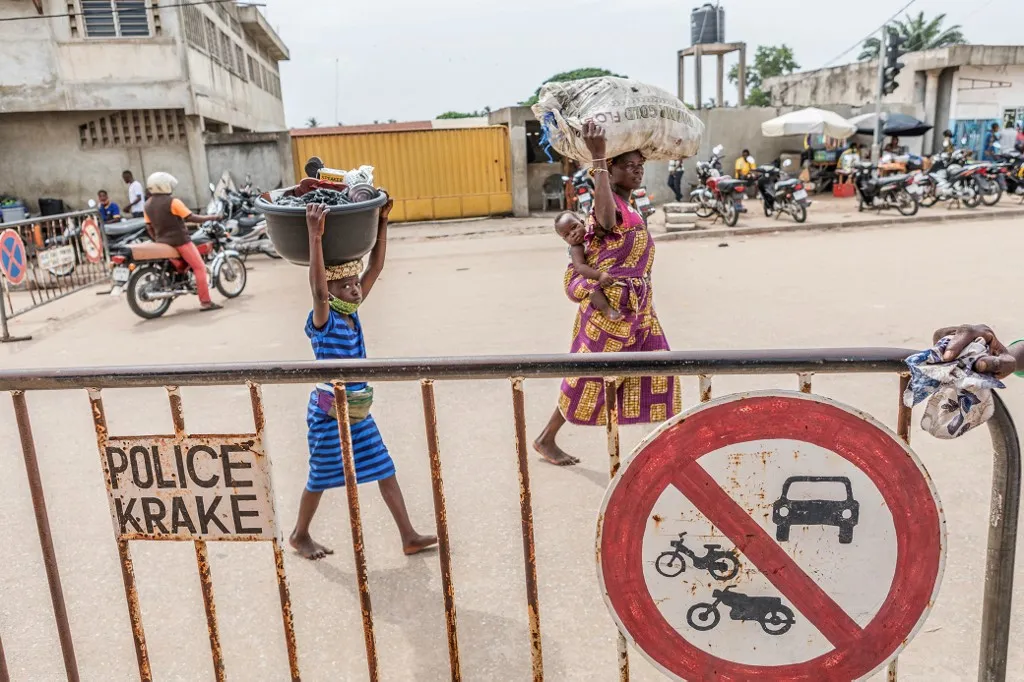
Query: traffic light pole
[(876, 145)]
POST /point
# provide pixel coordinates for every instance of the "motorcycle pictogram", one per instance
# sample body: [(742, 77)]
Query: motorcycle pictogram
[(719, 563), (775, 617)]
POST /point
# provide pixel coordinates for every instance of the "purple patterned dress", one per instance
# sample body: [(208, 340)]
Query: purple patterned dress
[(628, 255)]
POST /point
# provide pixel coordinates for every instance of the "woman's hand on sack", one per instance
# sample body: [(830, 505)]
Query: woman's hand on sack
[(315, 216), (1000, 362), (593, 137)]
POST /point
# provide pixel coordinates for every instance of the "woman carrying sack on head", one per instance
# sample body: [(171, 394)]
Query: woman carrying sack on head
[(166, 217)]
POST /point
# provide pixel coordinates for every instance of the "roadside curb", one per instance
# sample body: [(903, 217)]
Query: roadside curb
[(949, 216)]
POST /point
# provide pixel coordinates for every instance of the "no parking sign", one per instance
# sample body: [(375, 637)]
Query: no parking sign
[(12, 256), (771, 536)]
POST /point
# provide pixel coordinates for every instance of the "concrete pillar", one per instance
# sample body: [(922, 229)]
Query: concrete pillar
[(682, 78), (743, 75), (284, 153), (720, 85), (200, 189), (931, 100), (520, 181), (697, 59)]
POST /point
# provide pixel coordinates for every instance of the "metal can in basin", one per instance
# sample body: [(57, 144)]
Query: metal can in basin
[(350, 230)]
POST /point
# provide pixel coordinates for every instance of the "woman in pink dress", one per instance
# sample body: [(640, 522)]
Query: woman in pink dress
[(617, 243)]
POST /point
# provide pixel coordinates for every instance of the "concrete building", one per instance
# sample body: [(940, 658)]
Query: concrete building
[(964, 88), (89, 88)]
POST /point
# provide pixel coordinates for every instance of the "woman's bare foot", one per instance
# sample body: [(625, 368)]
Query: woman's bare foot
[(308, 548), (554, 454), (417, 543)]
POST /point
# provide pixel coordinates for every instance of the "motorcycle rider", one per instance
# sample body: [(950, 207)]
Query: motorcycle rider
[(166, 216)]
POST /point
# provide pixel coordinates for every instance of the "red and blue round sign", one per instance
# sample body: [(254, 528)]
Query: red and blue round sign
[(13, 262)]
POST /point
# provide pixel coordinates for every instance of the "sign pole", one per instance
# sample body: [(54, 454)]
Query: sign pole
[(876, 145), (5, 335)]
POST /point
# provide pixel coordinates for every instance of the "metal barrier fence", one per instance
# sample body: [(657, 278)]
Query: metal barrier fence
[(59, 255), (1002, 520)]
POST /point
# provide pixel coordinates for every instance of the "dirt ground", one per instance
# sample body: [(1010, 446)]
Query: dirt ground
[(888, 286)]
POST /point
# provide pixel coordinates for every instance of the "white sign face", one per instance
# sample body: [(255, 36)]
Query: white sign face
[(213, 487), (56, 258), (771, 536)]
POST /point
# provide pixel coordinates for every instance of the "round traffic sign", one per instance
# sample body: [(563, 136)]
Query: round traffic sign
[(771, 536), (92, 240), (12, 256)]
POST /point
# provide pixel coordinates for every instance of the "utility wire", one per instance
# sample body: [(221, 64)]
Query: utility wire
[(861, 41), (155, 7)]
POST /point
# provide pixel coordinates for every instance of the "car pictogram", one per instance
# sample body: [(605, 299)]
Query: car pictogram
[(816, 501)]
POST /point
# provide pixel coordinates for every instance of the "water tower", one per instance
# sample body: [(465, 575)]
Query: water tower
[(707, 35)]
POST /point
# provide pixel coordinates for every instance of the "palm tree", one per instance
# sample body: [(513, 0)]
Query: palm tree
[(920, 34), (311, 122)]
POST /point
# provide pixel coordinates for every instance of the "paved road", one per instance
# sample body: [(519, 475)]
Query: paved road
[(880, 287)]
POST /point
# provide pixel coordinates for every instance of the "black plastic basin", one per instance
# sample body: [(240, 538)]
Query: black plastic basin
[(350, 230)]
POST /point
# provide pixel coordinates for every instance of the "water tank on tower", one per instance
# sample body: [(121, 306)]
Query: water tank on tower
[(707, 24)]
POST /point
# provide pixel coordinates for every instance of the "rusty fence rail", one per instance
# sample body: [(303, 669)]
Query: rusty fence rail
[(63, 254), (1003, 514)]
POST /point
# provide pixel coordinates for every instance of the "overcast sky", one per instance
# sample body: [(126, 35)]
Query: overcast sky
[(414, 59)]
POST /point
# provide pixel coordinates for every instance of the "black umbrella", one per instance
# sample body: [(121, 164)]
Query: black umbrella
[(900, 125)]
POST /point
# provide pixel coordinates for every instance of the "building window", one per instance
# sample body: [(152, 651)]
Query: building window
[(195, 32), (254, 75), (240, 61), (226, 55), (115, 18), (132, 128)]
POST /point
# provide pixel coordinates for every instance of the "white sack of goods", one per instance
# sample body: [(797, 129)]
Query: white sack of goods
[(635, 117)]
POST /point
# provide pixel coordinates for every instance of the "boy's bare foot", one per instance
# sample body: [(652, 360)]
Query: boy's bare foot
[(601, 305), (308, 548), (554, 454), (417, 543)]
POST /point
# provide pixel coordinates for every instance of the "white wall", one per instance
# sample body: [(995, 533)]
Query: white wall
[(225, 97), (970, 100)]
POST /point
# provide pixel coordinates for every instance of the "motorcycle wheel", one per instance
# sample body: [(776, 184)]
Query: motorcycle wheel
[(139, 285), (724, 567), (703, 617), (778, 621), (730, 215), (667, 566), (993, 194), (231, 277), (704, 211), (906, 203), (799, 213)]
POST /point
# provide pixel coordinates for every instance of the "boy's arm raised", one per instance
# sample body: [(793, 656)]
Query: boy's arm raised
[(315, 214), (380, 249)]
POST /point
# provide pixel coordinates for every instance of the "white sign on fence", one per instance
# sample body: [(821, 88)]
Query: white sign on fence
[(211, 487), (57, 258)]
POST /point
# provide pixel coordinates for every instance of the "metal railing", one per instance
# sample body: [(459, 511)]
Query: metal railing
[(1002, 519), (60, 260)]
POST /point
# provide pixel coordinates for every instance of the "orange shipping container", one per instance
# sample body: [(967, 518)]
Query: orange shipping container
[(432, 174)]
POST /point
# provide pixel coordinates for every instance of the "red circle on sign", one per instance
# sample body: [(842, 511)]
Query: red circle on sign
[(12, 257), (669, 458), (92, 240)]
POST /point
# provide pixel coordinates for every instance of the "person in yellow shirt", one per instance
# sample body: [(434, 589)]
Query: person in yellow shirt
[(742, 165)]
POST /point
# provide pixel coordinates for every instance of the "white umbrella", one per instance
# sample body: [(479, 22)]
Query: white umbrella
[(809, 121)]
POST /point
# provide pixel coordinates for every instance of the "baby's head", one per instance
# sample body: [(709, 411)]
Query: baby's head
[(570, 228)]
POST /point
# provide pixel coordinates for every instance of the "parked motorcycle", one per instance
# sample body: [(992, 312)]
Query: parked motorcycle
[(702, 196), (642, 201), (727, 195), (720, 564), (775, 617), (246, 226), (950, 178), (154, 274), (583, 186), (895, 191), (1012, 165), (781, 194)]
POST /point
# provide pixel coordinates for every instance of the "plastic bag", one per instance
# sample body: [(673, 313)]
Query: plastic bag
[(634, 116)]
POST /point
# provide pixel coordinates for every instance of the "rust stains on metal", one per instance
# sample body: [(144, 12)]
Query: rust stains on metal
[(805, 382), (657, 521), (356, 524), (286, 612), (893, 674), (35, 486), (177, 410), (5, 673), (131, 593), (623, 658), (705, 387), (441, 520), (526, 512), (904, 414), (612, 424), (206, 583), (258, 414)]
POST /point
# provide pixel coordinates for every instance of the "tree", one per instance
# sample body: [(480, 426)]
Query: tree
[(464, 114), (311, 122), (920, 34), (769, 61), (574, 75)]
